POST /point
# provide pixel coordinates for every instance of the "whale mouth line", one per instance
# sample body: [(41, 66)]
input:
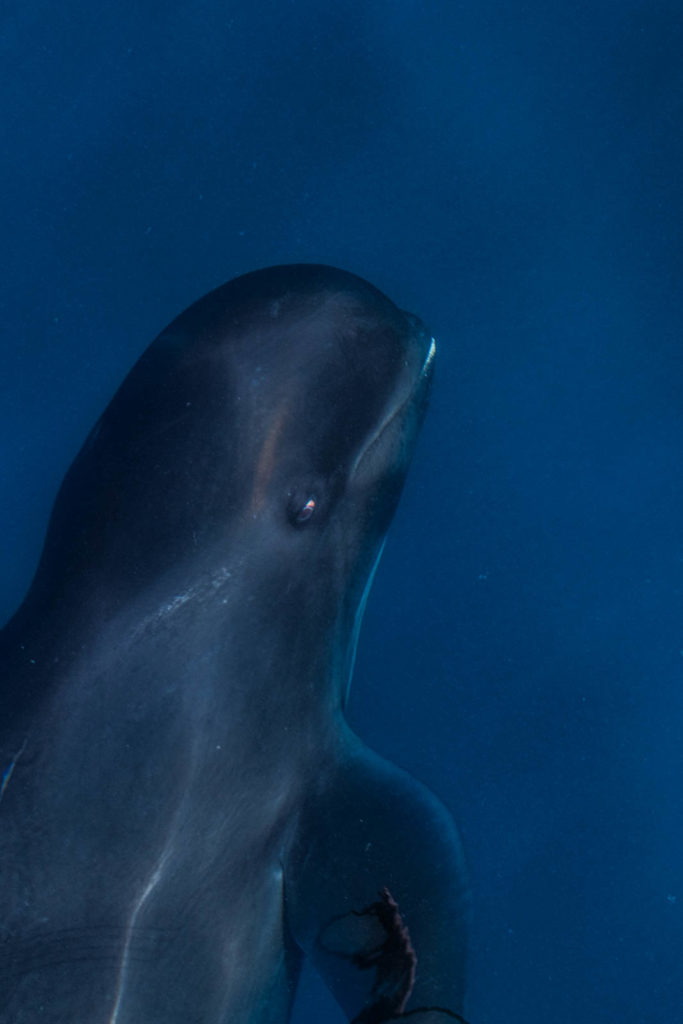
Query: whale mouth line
[(402, 403)]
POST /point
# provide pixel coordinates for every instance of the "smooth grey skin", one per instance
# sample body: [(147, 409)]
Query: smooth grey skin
[(184, 812)]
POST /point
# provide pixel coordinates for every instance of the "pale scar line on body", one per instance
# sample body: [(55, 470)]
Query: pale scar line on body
[(154, 880), (7, 774)]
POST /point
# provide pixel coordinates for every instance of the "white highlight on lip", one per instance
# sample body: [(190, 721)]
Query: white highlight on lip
[(7, 774), (139, 904), (430, 358)]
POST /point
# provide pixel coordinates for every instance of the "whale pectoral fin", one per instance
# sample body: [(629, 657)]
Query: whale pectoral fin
[(375, 895)]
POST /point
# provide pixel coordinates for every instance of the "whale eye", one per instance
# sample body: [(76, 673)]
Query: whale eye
[(305, 511), (302, 505)]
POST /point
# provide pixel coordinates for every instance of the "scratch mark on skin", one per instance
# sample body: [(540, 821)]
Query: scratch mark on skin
[(200, 591), (7, 774)]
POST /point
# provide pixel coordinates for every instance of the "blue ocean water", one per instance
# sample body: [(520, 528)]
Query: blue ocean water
[(512, 173)]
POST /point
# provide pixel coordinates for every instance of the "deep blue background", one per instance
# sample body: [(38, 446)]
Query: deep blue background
[(513, 173)]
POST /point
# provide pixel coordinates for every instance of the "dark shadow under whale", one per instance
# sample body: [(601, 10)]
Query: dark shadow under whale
[(184, 813)]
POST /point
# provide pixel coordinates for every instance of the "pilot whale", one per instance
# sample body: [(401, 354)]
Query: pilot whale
[(184, 812)]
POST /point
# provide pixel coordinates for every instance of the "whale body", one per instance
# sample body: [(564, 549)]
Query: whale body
[(184, 812)]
